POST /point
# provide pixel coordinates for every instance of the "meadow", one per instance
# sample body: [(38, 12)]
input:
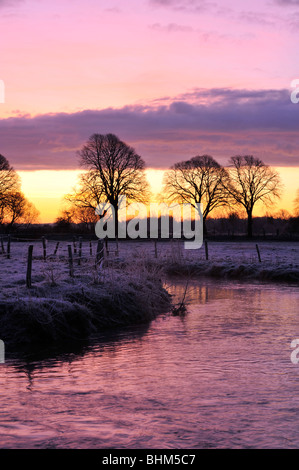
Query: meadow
[(125, 285)]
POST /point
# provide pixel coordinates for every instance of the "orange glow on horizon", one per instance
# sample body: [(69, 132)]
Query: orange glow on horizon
[(46, 189)]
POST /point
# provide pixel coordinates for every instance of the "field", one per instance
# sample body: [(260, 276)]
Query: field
[(67, 302), (279, 260)]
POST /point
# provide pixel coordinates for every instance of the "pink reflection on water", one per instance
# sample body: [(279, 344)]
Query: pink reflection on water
[(219, 377)]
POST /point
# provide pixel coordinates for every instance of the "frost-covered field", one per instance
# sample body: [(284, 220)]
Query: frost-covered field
[(125, 288), (60, 307), (281, 259), (239, 260)]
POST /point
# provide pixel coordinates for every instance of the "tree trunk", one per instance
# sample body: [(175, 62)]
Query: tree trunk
[(115, 206), (249, 224), (204, 227)]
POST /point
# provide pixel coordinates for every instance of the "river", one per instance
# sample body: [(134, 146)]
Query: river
[(219, 377)]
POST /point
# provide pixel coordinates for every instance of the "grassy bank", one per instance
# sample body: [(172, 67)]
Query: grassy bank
[(75, 309), (125, 290), (235, 271)]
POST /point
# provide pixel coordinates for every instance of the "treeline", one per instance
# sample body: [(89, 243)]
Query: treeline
[(232, 227), (14, 207), (112, 169)]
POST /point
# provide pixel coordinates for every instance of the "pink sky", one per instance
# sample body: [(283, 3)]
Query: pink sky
[(63, 56), (173, 78)]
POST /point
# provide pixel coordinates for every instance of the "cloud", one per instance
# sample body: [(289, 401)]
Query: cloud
[(171, 28), (258, 18), (191, 5), (235, 13), (9, 3), (221, 122), (287, 2)]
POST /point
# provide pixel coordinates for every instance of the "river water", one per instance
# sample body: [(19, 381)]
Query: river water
[(219, 377)]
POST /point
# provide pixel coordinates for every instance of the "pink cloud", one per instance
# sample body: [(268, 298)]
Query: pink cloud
[(221, 122)]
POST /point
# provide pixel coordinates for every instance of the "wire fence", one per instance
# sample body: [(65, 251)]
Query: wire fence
[(32, 255), (270, 251)]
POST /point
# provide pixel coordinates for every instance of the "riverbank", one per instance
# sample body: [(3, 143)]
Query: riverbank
[(126, 288), (75, 309), (220, 377), (235, 271)]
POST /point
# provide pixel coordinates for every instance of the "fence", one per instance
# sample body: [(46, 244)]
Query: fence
[(78, 252)]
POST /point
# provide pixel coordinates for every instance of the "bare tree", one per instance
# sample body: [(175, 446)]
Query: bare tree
[(65, 219), (198, 180), (18, 209), (9, 181), (30, 215), (14, 207), (282, 214), (251, 181), (86, 216), (296, 203), (88, 194), (113, 169), (77, 215)]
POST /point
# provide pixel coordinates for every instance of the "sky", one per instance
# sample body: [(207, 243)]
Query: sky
[(172, 78)]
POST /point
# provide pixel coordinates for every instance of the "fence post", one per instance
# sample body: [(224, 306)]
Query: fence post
[(258, 253), (56, 248), (74, 245), (8, 247), (69, 247), (44, 248), (29, 266), (206, 250), (90, 248), (100, 251), (2, 246), (80, 251)]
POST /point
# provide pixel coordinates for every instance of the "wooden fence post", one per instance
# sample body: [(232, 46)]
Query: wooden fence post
[(206, 250), (80, 251), (29, 266), (44, 248), (74, 245), (100, 251), (69, 247), (56, 248), (2, 246), (8, 247), (258, 253)]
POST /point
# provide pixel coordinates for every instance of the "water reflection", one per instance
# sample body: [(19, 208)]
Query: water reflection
[(255, 301), (106, 342), (219, 377)]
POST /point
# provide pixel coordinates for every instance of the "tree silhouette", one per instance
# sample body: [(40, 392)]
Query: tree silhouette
[(113, 169), (19, 210), (251, 181), (9, 181), (296, 203), (14, 207), (198, 180)]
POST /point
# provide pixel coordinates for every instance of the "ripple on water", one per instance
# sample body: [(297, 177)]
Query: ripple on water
[(219, 377)]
